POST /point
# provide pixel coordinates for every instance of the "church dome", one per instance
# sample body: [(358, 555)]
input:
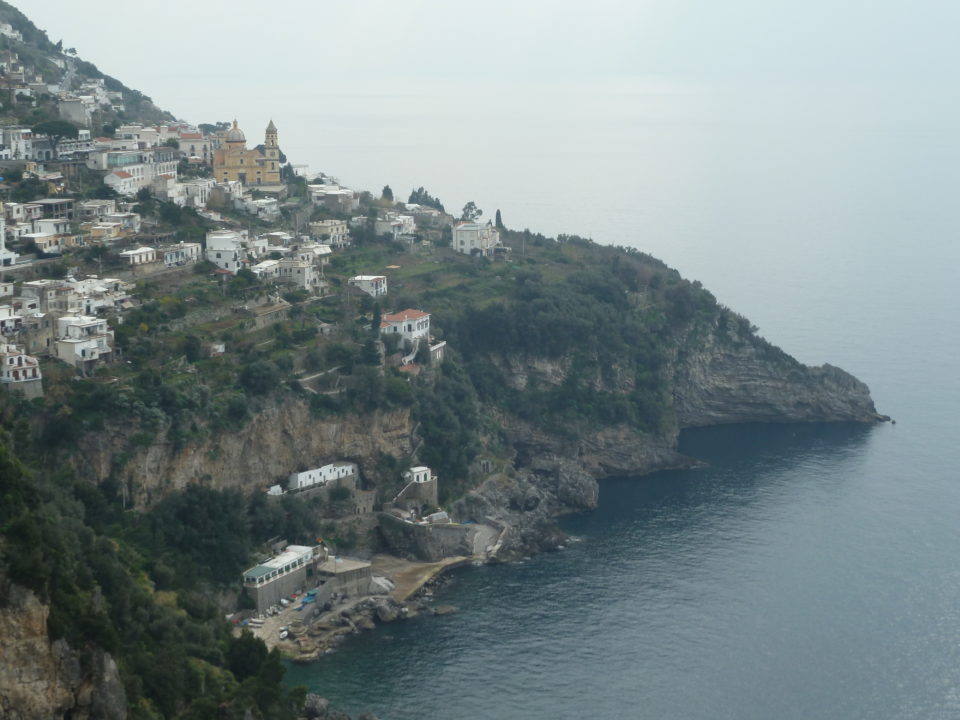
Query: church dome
[(235, 134)]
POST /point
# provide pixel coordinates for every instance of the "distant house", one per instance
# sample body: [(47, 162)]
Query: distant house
[(332, 232), (20, 372), (409, 324), (226, 249), (322, 475), (83, 341), (290, 571), (140, 256), (476, 239), (300, 273), (182, 253), (372, 285)]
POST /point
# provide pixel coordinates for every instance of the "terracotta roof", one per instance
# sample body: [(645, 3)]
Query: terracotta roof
[(403, 316), (122, 174), (191, 136)]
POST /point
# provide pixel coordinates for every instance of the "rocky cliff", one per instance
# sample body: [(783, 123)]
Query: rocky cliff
[(718, 381), (714, 379), (278, 440), (43, 679)]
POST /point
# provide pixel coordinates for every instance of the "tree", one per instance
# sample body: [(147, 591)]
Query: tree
[(422, 197), (377, 318), (499, 221), (386, 194), (471, 212), (172, 142), (56, 130)]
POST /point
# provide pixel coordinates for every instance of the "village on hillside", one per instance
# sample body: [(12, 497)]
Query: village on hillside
[(113, 230)]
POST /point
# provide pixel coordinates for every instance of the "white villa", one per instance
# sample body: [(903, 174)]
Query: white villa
[(409, 324), (475, 239)]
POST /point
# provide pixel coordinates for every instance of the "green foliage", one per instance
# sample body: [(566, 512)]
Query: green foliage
[(471, 213), (68, 542), (422, 197), (448, 414), (386, 194)]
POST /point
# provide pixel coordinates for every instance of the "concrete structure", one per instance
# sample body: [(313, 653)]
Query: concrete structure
[(322, 475), (345, 576), (291, 571), (475, 239), (233, 161), (421, 490), (83, 341), (372, 285), (20, 372)]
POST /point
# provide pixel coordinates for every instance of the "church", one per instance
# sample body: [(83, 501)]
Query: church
[(233, 161)]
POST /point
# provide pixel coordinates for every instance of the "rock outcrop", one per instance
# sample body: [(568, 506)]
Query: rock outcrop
[(275, 442), (720, 381), (41, 679)]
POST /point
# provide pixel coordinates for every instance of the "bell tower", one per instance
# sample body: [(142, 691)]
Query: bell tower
[(270, 143)]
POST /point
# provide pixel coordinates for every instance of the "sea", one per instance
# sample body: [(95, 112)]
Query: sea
[(808, 571)]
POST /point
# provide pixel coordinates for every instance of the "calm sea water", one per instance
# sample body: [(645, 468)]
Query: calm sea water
[(809, 571)]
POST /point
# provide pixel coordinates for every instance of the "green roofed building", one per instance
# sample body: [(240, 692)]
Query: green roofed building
[(293, 570)]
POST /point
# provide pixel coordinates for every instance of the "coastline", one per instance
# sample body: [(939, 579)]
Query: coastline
[(309, 639)]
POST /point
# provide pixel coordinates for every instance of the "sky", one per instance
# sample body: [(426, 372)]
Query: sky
[(466, 47)]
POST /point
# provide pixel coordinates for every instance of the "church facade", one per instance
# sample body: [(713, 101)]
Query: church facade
[(233, 161)]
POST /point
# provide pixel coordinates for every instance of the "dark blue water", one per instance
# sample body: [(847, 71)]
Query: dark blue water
[(808, 572), (805, 573)]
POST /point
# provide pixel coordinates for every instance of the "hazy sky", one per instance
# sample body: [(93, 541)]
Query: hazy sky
[(168, 50)]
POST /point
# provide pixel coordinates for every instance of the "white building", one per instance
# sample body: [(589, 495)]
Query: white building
[(7, 257), (315, 254), (140, 256), (10, 321), (395, 225), (266, 270), (198, 191), (418, 474), (20, 372), (372, 285), (226, 249), (409, 324), (333, 232), (475, 239), (95, 294), (82, 341), (180, 254), (300, 273), (339, 199), (322, 475)]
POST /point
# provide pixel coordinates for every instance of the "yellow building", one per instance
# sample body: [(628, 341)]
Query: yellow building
[(233, 161)]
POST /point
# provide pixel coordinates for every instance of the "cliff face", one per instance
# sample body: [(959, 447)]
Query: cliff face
[(713, 379), (277, 441), (720, 382), (40, 679)]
